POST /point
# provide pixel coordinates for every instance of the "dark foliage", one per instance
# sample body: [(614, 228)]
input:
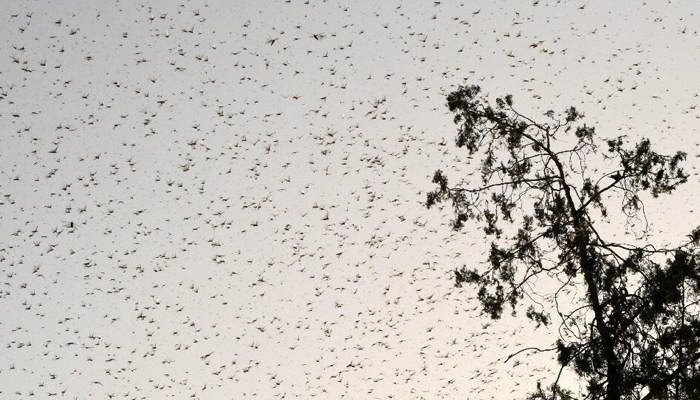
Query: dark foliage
[(636, 332)]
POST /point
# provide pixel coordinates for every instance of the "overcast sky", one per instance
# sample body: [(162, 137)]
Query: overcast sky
[(225, 199)]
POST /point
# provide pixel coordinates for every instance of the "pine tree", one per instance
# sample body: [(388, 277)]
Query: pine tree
[(636, 332)]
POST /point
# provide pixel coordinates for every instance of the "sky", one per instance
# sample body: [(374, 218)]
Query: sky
[(226, 199)]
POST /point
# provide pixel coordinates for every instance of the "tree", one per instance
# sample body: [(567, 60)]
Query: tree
[(636, 332)]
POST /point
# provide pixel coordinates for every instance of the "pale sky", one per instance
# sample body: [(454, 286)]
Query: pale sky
[(224, 199)]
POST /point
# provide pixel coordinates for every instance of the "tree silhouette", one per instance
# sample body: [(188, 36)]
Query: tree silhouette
[(636, 332)]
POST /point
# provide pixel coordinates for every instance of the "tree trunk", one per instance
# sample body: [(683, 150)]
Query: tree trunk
[(613, 372)]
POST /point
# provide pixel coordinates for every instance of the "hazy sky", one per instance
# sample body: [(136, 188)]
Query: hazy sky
[(224, 199)]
